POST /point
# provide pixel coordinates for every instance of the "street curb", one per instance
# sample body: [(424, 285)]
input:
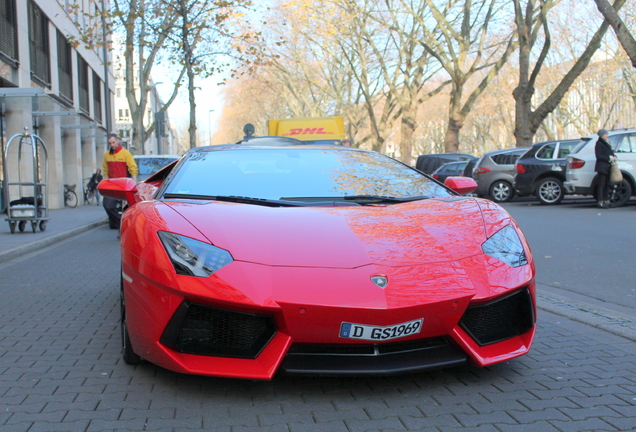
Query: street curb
[(596, 316), (19, 251)]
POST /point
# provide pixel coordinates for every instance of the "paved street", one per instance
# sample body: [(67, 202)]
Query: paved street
[(61, 370)]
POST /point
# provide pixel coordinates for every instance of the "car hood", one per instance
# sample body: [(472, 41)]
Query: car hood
[(420, 232)]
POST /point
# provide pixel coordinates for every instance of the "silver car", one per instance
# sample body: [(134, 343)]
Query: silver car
[(150, 164), (494, 173)]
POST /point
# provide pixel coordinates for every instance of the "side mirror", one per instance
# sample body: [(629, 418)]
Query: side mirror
[(461, 185), (120, 189)]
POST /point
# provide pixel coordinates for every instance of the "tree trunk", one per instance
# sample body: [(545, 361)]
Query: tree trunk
[(406, 142), (455, 116), (192, 130)]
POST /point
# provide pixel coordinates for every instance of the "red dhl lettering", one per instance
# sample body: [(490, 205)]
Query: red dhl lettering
[(309, 131)]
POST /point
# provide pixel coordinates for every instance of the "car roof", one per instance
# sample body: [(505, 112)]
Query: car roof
[(555, 141), (509, 150), (610, 132)]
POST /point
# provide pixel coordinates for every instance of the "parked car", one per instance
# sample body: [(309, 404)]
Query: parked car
[(541, 170), (581, 179), (450, 169), (495, 173), (430, 162), (150, 164), (251, 260)]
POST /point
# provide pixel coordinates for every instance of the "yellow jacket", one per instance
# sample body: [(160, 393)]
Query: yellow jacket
[(120, 164)]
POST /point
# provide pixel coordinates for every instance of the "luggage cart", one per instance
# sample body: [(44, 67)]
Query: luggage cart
[(27, 201)]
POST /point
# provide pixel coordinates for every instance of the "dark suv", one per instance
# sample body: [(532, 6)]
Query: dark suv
[(450, 169), (430, 162), (541, 171)]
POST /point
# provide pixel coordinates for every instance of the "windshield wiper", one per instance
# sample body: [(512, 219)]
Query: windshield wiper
[(237, 199), (359, 199), (381, 199)]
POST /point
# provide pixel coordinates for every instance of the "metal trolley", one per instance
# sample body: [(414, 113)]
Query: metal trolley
[(32, 203)]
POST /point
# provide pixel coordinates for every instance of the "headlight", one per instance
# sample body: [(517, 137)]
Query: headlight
[(506, 246), (193, 258)]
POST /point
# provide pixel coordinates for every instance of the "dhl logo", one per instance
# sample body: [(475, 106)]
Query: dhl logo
[(309, 131)]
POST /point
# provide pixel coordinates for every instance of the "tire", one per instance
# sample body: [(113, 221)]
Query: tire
[(22, 226), (70, 199), (12, 227), (90, 197), (42, 225), (501, 191), (550, 191), (620, 194), (127, 352)]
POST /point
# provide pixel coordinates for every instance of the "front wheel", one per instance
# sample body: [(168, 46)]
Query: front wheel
[(501, 191), (550, 191), (127, 352), (70, 199)]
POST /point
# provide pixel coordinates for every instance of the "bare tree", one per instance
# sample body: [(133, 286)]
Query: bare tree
[(622, 32), (209, 39), (391, 38), (146, 25), (466, 46), (530, 20)]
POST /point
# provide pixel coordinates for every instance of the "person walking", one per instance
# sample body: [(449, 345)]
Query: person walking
[(93, 182), (604, 157), (118, 163)]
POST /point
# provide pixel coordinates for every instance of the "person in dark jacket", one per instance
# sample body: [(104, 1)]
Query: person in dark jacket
[(604, 157), (94, 181)]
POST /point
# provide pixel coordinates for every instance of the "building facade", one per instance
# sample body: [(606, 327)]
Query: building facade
[(57, 89)]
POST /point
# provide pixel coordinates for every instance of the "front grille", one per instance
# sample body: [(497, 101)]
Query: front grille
[(366, 349), (371, 359), (204, 330), (501, 319)]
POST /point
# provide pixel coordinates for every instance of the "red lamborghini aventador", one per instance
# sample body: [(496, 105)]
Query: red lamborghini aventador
[(271, 256)]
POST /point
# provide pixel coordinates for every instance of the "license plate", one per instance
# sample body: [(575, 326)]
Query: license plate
[(374, 333)]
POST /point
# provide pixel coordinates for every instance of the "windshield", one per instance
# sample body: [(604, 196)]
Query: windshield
[(306, 172)]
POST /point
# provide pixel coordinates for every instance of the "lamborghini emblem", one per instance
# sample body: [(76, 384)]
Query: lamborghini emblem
[(380, 281)]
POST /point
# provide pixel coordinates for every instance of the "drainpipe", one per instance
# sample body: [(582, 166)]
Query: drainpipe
[(106, 71)]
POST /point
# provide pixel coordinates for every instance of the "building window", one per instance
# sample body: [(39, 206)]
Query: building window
[(97, 97), (8, 31), (39, 45), (64, 66), (82, 74), (118, 89)]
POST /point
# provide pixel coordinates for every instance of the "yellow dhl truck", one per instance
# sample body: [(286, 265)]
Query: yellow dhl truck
[(313, 130)]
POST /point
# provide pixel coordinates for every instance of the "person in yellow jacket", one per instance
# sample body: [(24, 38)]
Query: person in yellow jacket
[(118, 163)]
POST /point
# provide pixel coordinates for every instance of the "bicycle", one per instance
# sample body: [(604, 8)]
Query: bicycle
[(70, 197), (89, 193)]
